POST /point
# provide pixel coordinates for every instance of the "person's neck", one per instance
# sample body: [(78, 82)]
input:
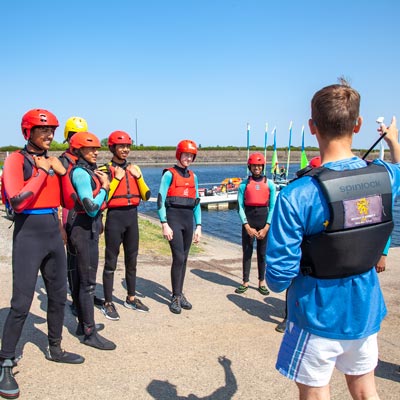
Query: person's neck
[(335, 150), (119, 161), (31, 148), (179, 165)]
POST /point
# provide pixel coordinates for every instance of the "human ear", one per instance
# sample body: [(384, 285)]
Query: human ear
[(312, 126), (358, 124)]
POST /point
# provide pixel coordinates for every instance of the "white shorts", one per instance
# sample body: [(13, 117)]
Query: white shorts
[(310, 359)]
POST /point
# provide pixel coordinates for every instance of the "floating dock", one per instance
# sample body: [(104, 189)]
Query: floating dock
[(225, 201)]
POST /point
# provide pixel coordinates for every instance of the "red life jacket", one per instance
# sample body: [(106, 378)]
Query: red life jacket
[(21, 166), (67, 159), (96, 186), (182, 191), (68, 194), (3, 192), (257, 193), (127, 192)]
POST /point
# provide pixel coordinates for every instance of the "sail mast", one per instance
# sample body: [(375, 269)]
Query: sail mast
[(289, 146), (265, 148)]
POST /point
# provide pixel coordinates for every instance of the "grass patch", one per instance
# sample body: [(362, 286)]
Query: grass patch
[(151, 240)]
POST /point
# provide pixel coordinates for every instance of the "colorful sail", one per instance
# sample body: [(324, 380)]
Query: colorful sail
[(303, 160), (274, 161)]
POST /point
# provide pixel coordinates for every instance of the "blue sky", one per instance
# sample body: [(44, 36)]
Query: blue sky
[(195, 69)]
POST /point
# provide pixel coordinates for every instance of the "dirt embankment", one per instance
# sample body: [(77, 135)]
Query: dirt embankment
[(166, 157)]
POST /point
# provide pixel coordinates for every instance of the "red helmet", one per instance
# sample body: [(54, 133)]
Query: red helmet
[(256, 158), (186, 146), (119, 137), (315, 162), (84, 139), (37, 117)]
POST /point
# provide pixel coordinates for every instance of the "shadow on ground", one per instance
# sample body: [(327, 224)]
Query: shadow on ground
[(214, 277), (164, 390), (269, 310), (387, 370), (30, 334)]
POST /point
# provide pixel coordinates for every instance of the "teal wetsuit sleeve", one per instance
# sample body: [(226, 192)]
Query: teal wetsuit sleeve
[(272, 200), (386, 249), (197, 209), (83, 186), (240, 199), (166, 180)]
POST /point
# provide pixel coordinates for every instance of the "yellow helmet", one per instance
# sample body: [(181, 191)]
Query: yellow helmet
[(75, 124)]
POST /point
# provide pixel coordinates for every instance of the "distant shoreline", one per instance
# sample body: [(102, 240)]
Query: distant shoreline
[(204, 157)]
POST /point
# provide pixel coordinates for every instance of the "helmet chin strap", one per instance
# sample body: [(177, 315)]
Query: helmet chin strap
[(36, 148)]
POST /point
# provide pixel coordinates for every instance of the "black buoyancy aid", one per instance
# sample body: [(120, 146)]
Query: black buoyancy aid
[(182, 191), (95, 183), (360, 206), (257, 192), (127, 192), (49, 195)]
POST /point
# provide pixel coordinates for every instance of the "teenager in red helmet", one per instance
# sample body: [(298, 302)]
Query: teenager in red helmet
[(32, 182), (256, 200), (91, 187), (127, 188), (315, 162), (178, 202), (68, 160)]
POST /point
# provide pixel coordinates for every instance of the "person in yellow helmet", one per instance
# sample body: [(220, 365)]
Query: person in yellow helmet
[(68, 159), (73, 125)]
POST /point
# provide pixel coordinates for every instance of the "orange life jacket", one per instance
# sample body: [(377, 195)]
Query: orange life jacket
[(127, 192), (49, 193), (257, 193), (182, 191)]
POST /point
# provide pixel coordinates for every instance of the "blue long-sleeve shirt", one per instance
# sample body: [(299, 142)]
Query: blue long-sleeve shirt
[(166, 181), (83, 186), (345, 308)]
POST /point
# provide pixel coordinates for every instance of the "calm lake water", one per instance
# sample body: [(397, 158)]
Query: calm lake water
[(225, 224)]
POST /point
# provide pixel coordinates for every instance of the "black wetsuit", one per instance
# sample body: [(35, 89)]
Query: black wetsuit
[(121, 227), (37, 245), (84, 229)]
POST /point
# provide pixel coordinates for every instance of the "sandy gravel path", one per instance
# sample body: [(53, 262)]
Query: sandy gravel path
[(225, 348)]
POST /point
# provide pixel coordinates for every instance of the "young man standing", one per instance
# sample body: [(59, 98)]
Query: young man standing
[(256, 200), (327, 233), (32, 182), (127, 188)]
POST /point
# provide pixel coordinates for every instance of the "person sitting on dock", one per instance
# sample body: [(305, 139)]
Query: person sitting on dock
[(256, 201)]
